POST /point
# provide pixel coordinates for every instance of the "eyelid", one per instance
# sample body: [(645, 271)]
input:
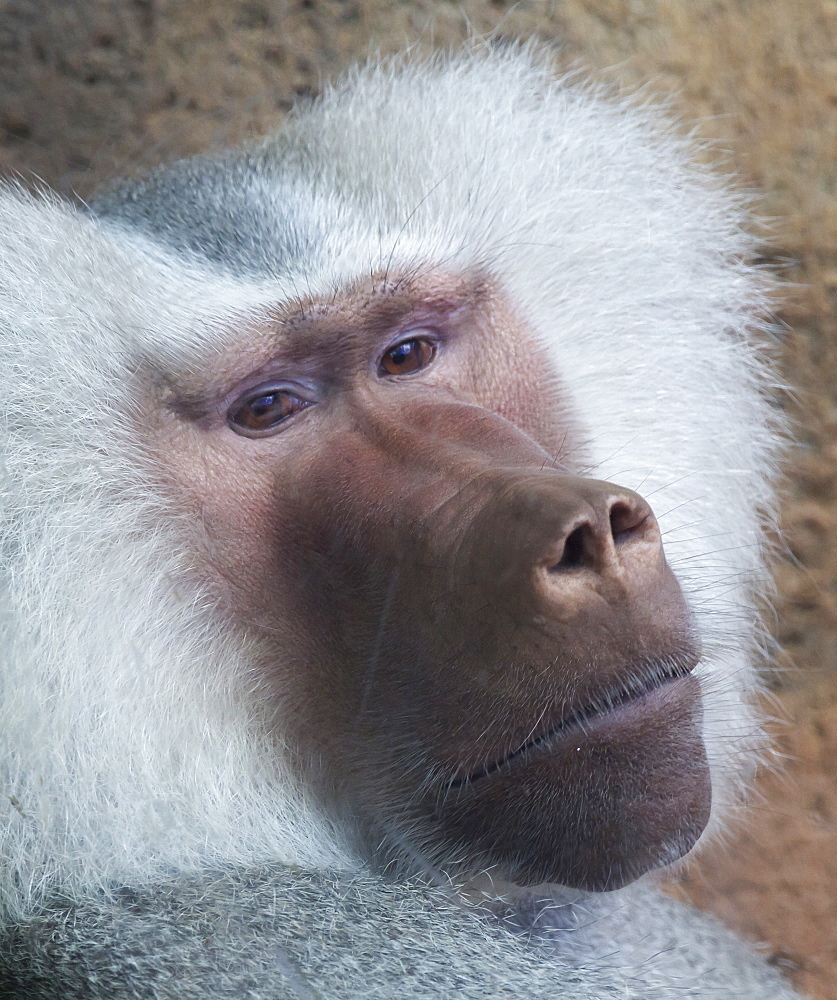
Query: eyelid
[(249, 388), (414, 333), (275, 385)]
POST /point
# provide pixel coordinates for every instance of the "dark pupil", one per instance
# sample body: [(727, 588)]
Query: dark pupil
[(402, 354), (264, 404)]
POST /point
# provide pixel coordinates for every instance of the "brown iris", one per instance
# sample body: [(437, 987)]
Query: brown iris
[(263, 410), (407, 357)]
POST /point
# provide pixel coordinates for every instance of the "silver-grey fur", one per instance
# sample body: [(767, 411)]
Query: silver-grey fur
[(154, 845), (279, 934)]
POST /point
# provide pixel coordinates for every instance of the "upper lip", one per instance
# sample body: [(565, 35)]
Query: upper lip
[(643, 680)]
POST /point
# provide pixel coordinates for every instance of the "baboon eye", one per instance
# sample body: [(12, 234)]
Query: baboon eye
[(408, 357), (260, 412)]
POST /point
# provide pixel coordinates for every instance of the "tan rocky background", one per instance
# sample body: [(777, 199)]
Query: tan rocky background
[(93, 88)]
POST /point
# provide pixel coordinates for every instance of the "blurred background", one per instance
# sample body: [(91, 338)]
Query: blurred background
[(91, 89)]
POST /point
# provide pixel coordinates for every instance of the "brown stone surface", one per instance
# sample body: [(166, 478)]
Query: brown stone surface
[(776, 882), (93, 88)]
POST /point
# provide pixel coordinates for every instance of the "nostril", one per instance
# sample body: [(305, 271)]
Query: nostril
[(603, 535), (626, 522), (573, 554)]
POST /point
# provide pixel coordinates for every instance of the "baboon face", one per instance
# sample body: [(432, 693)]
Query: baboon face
[(479, 655)]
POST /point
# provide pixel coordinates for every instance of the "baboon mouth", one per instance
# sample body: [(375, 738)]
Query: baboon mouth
[(651, 678)]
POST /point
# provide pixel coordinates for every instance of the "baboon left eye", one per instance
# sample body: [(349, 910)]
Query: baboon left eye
[(408, 357)]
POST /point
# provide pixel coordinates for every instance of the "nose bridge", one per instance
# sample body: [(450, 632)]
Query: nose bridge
[(482, 495), (440, 463), (446, 437)]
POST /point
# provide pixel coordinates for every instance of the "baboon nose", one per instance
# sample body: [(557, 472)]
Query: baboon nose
[(606, 532), (560, 545), (604, 540)]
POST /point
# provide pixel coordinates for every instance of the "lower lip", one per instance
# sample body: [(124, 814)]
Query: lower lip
[(600, 724), (634, 780)]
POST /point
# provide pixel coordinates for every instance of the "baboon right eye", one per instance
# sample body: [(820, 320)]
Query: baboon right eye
[(261, 412)]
